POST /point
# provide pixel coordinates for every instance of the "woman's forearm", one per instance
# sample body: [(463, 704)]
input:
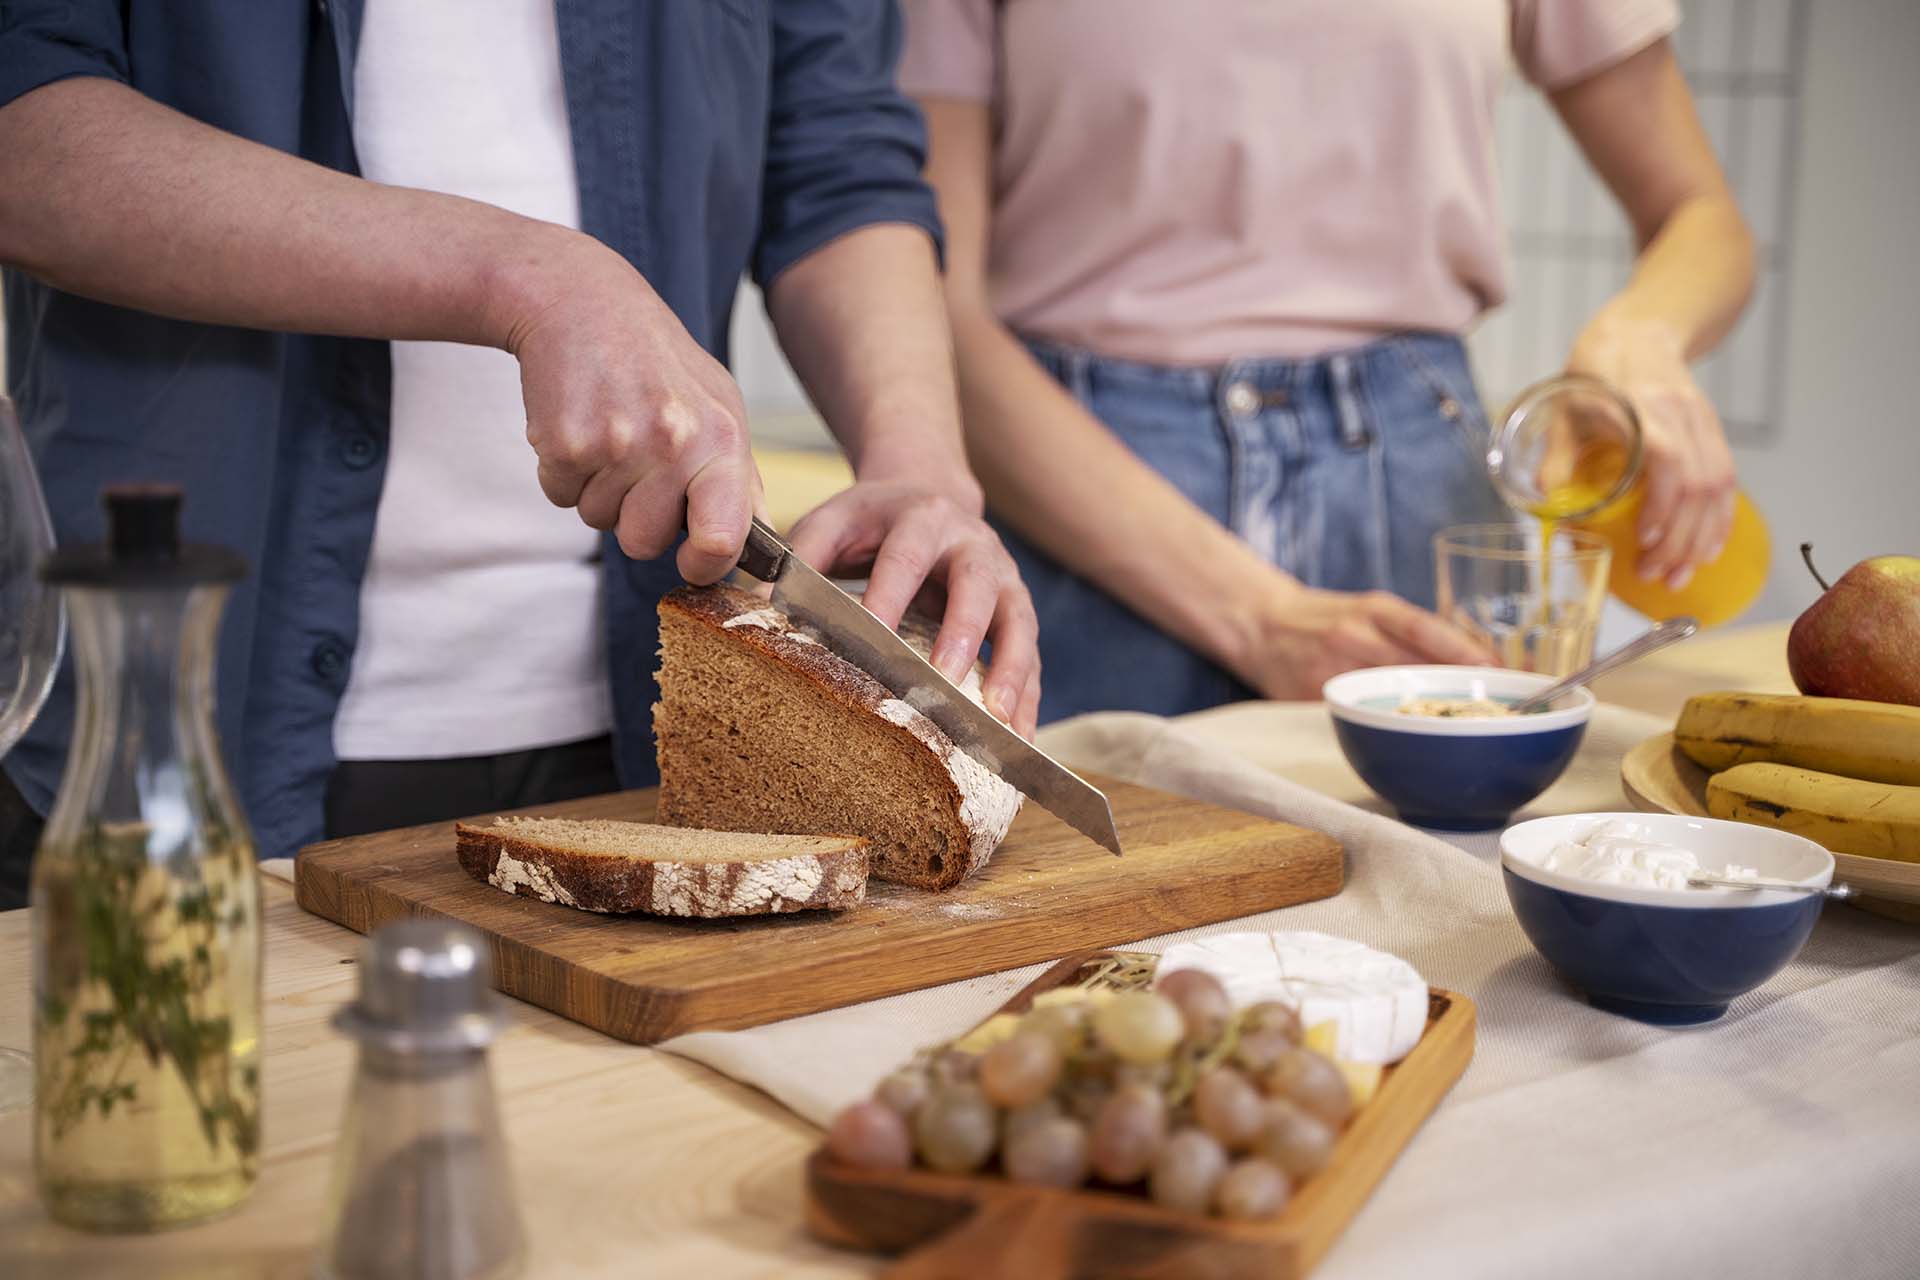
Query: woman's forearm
[(1637, 125), (1069, 487), (1693, 279)]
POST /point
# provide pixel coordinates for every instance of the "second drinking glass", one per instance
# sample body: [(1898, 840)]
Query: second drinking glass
[(1537, 601)]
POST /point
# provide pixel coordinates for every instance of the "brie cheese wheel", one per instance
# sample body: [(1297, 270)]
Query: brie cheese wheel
[(1377, 1001)]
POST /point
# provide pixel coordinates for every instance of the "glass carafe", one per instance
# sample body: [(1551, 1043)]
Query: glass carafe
[(146, 920), (1570, 450)]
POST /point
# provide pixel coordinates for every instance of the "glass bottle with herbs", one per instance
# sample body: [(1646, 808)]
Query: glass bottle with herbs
[(146, 920)]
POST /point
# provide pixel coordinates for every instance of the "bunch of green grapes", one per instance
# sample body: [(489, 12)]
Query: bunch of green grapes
[(1206, 1108)]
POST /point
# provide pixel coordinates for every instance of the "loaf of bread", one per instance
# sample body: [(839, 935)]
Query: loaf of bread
[(666, 871), (761, 727)]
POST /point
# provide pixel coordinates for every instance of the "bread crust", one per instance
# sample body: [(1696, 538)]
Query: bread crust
[(983, 806), (828, 880)]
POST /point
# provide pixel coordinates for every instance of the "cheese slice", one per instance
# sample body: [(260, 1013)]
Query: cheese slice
[(1377, 1001)]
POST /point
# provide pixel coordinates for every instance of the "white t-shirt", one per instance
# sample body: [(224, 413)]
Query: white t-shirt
[(480, 615)]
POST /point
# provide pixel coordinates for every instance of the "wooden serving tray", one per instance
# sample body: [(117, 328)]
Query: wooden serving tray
[(958, 1227), (1047, 891), (1658, 778)]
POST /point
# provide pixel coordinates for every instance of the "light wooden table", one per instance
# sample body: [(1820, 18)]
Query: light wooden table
[(1753, 659), (628, 1161)]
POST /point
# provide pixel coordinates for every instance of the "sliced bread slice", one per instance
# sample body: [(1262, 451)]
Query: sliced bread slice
[(761, 726), (613, 866)]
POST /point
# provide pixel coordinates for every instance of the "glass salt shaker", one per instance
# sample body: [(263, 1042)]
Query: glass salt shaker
[(421, 1184)]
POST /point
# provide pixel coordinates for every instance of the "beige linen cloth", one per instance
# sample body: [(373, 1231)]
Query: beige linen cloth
[(1782, 1141)]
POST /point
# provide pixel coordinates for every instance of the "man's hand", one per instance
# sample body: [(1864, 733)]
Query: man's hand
[(918, 544), (634, 424), (1309, 636)]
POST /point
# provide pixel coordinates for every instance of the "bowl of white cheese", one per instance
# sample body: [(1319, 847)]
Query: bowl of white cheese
[(1607, 899)]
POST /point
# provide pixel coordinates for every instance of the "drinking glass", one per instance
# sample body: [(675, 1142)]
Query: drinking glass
[(32, 631), (1535, 598)]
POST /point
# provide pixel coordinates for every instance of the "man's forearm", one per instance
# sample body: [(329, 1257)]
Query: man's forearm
[(863, 322), (108, 194)]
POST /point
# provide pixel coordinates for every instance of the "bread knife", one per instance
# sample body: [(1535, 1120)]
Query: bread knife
[(870, 644)]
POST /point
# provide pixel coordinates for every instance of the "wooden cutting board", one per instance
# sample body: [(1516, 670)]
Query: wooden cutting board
[(986, 1228), (1658, 778), (1049, 891)]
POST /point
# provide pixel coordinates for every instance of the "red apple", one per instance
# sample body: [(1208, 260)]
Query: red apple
[(1861, 639)]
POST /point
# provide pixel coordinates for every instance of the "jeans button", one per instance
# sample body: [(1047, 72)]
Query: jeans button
[(360, 451), (329, 660), (1243, 398), (1450, 409)]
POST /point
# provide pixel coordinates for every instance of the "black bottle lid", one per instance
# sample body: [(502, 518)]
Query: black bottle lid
[(143, 547)]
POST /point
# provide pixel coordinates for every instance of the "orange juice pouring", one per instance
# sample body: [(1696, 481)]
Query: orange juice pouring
[(1570, 451)]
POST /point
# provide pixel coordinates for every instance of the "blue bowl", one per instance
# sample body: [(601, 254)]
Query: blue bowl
[(1667, 956), (1456, 774)]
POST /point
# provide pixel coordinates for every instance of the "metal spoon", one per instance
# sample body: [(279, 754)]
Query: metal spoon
[(1656, 637), (1706, 880)]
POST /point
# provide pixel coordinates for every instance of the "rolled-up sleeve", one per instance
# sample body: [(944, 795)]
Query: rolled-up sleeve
[(844, 145), (46, 40)]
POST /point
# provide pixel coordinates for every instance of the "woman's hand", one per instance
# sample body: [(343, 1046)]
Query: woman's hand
[(1688, 467), (918, 542), (1306, 636)]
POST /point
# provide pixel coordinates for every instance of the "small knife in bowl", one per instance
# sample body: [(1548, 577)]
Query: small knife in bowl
[(870, 644)]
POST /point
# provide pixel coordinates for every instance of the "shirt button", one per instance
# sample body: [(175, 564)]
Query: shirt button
[(329, 660), (1243, 398), (360, 451)]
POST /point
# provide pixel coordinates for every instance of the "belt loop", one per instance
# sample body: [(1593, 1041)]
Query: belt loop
[(1354, 432), (1077, 365)]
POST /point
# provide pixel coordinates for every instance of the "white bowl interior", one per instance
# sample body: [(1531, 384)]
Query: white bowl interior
[(1775, 855), (1370, 697)]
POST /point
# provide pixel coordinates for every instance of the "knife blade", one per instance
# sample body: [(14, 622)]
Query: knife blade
[(870, 644)]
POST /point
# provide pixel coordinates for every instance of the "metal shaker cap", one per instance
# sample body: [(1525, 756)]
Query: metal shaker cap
[(426, 987)]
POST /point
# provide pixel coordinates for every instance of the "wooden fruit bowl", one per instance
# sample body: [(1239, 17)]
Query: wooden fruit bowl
[(1658, 778), (979, 1227)]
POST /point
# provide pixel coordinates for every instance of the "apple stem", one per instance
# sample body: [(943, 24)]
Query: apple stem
[(1806, 553)]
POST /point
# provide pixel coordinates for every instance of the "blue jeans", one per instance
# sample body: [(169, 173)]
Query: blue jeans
[(1338, 469)]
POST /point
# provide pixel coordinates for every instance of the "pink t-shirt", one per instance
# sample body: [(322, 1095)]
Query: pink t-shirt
[(1190, 181)]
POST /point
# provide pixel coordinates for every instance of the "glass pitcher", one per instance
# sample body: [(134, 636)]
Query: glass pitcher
[(1570, 450), (146, 921)]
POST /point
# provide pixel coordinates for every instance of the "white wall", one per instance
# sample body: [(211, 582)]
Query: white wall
[(1844, 471), (776, 404)]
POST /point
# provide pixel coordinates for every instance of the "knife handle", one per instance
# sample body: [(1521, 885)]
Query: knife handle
[(766, 552)]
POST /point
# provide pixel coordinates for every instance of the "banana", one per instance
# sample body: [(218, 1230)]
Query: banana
[(1875, 741), (1874, 819)]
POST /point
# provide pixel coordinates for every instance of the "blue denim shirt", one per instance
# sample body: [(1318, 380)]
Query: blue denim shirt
[(710, 137)]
